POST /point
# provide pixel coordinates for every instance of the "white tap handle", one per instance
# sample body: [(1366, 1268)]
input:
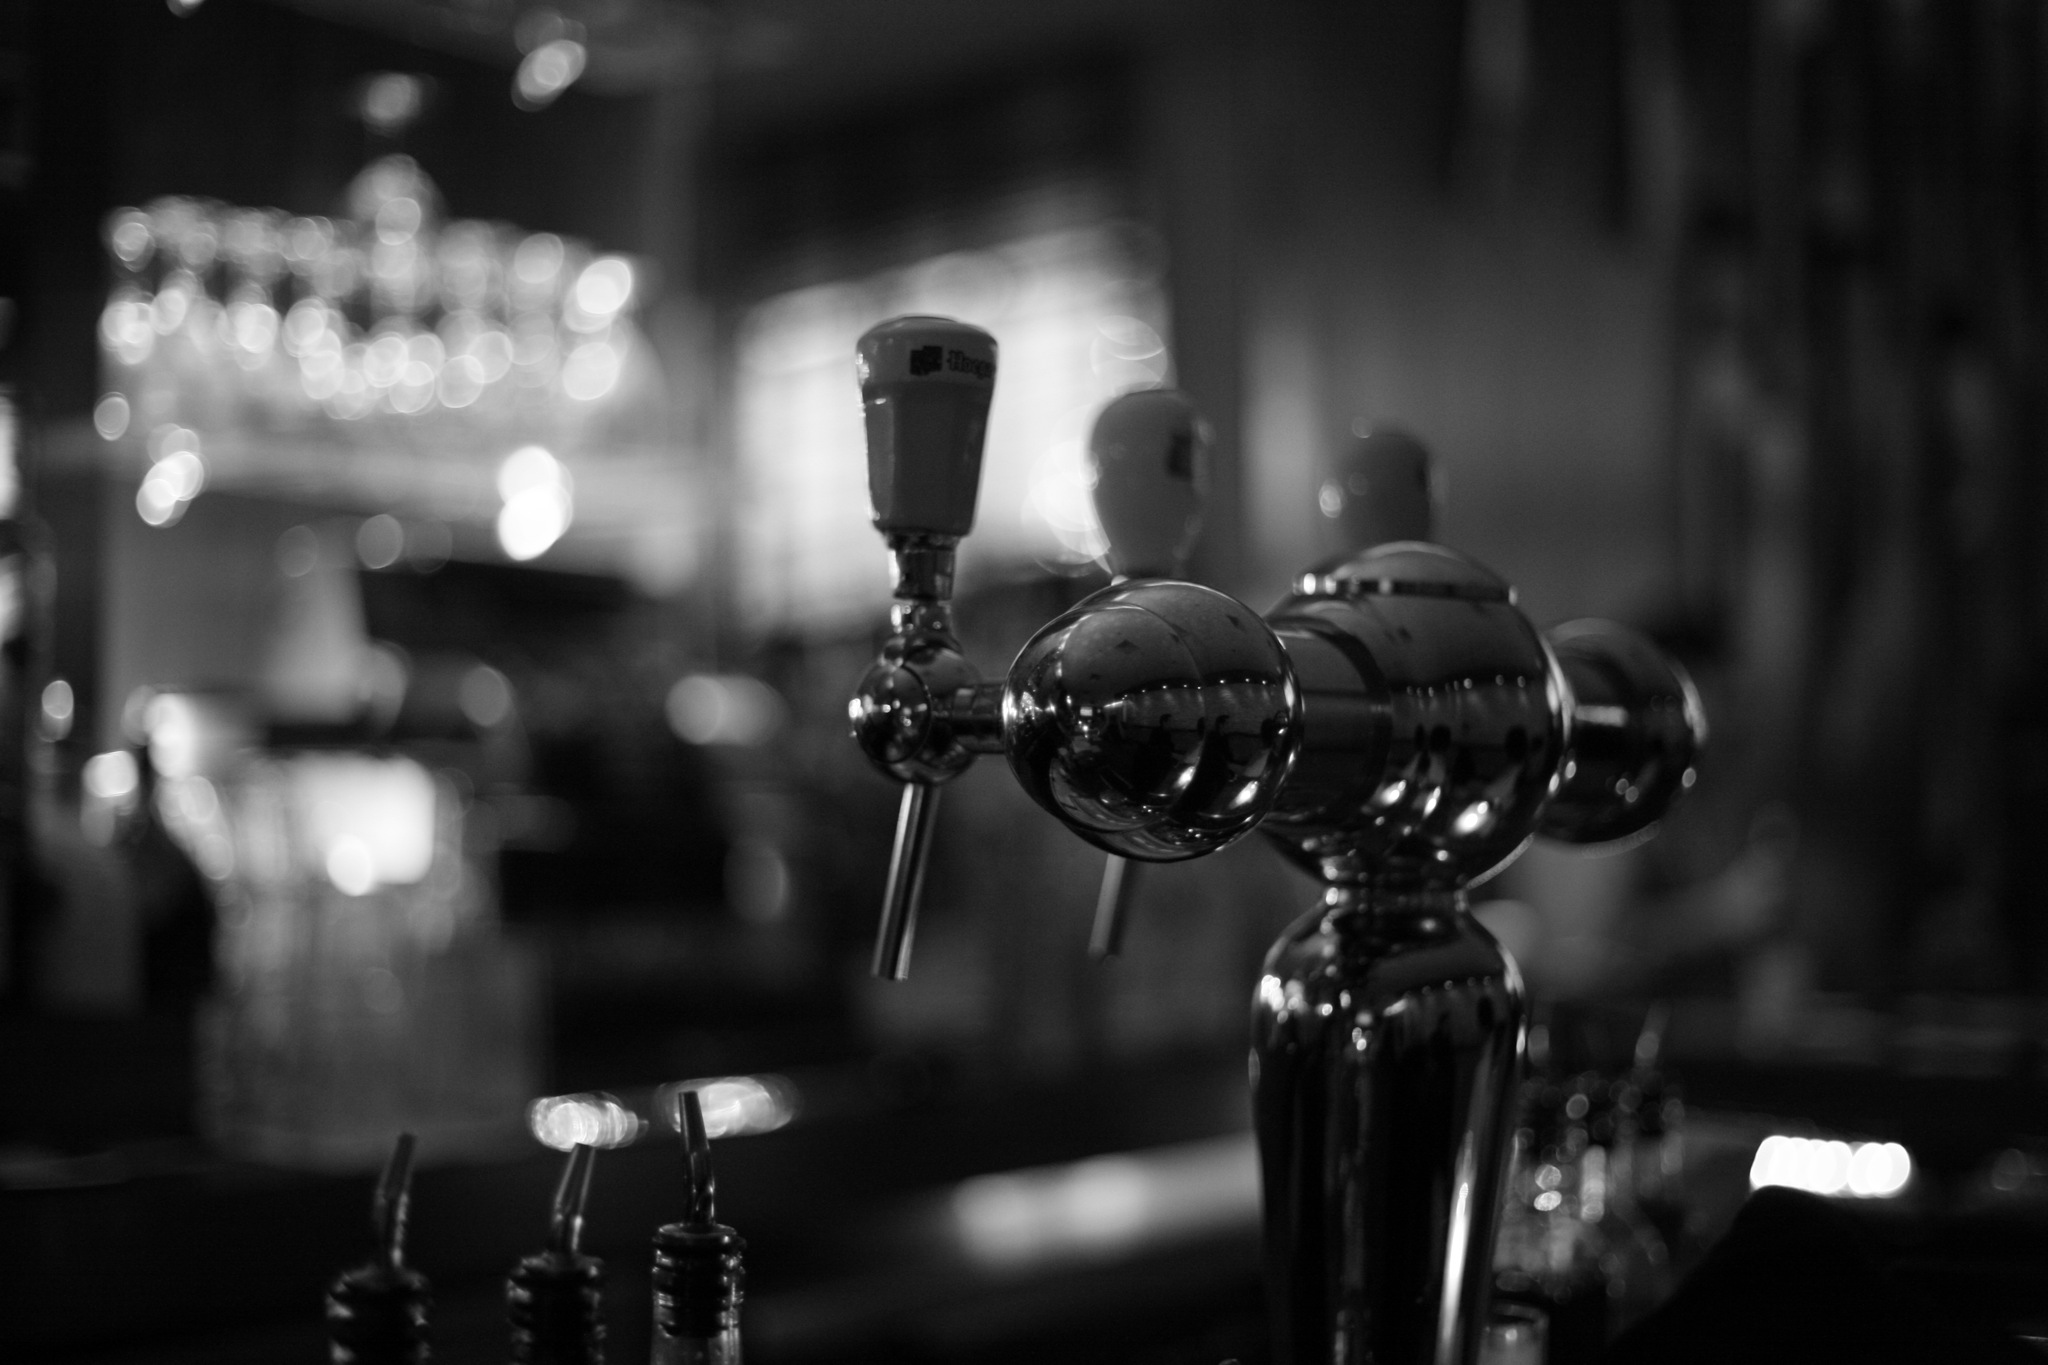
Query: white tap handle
[(1150, 453)]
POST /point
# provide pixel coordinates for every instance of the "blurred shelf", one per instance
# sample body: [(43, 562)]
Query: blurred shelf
[(641, 508)]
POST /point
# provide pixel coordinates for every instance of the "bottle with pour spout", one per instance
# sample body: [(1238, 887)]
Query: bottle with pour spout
[(698, 1274), (554, 1299), (377, 1313)]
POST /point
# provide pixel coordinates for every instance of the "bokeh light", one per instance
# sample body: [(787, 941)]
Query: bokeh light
[(733, 1106), (59, 707), (391, 100), (380, 540), (485, 696), (604, 287), (1863, 1170), (591, 371), (368, 821), (351, 866), (725, 708), (173, 480), (591, 1120), (110, 417), (538, 505), (111, 775), (546, 72)]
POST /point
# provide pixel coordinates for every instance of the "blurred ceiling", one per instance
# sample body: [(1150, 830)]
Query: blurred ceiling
[(773, 60)]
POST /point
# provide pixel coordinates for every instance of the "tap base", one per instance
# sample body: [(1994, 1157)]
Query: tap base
[(1387, 1038)]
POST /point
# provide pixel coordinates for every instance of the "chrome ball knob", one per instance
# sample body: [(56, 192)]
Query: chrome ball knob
[(900, 713), (1637, 730), (1157, 719), (1434, 720)]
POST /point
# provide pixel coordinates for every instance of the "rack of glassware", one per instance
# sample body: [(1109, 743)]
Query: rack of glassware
[(388, 358)]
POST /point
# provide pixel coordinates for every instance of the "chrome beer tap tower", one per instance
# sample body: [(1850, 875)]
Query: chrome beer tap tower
[(1396, 726)]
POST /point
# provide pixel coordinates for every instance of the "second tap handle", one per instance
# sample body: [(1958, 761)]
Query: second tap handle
[(915, 819), (1150, 453)]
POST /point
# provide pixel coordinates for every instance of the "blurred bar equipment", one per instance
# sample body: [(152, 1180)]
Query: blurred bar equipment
[(364, 984), (1398, 728), (387, 358)]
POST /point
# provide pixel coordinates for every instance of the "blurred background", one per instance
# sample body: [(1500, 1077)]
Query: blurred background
[(435, 560)]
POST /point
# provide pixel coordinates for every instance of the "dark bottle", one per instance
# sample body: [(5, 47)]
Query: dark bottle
[(555, 1298), (377, 1313), (698, 1278), (171, 898)]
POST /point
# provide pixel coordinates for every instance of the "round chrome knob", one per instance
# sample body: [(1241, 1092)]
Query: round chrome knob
[(1156, 719), (925, 386), (1637, 729), (901, 712), (1434, 720)]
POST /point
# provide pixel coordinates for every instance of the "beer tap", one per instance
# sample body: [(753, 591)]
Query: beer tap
[(1149, 451), (922, 713), (1401, 730)]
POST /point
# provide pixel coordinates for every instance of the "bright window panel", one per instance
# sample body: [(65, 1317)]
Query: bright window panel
[(1077, 320)]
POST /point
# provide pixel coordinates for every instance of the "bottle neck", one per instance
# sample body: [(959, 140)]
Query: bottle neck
[(377, 1315), (555, 1302), (699, 1282)]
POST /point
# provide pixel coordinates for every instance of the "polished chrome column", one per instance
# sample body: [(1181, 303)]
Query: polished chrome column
[(1386, 1034)]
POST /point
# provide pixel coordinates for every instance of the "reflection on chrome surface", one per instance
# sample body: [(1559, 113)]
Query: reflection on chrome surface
[(1435, 720), (1156, 719)]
